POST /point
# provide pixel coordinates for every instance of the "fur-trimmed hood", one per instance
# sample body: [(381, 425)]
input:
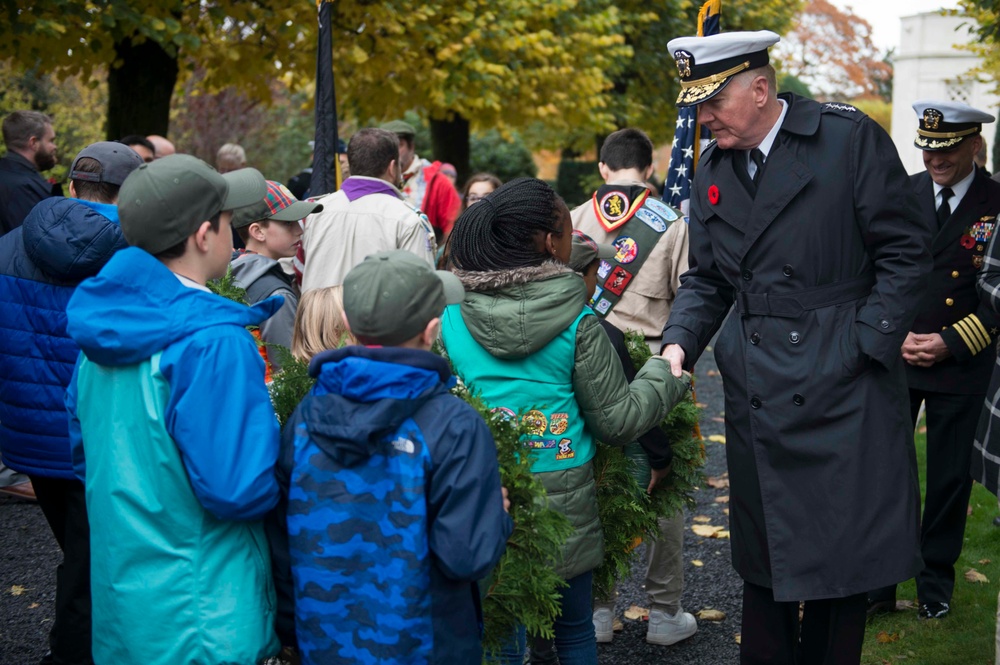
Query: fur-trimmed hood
[(514, 313)]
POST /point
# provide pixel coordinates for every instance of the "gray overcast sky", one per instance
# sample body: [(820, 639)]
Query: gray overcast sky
[(884, 15)]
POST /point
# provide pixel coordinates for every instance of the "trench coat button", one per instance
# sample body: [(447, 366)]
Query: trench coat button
[(798, 399), (794, 337), (884, 324), (949, 302), (755, 402), (954, 273), (755, 338), (787, 270), (747, 274)]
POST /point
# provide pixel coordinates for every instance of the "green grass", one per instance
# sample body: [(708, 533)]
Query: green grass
[(967, 635)]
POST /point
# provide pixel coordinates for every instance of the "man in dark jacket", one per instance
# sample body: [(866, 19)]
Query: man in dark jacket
[(820, 273), (62, 242), (947, 351), (31, 148)]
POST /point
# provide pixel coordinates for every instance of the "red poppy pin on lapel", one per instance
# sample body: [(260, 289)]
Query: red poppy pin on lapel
[(713, 194)]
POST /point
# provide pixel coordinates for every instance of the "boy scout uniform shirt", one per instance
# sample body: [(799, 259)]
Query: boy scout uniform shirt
[(645, 304)]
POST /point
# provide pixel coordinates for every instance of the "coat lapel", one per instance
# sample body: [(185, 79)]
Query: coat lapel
[(783, 178), (734, 204)]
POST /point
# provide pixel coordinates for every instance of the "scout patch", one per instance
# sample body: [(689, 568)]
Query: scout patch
[(558, 423), (603, 269), (541, 444), (594, 299), (651, 219), (602, 306), (504, 412), (565, 451), (627, 249), (661, 209), (618, 280), (614, 205), (536, 422)]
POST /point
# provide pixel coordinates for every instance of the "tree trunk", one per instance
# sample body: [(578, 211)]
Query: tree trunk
[(450, 143), (139, 91)]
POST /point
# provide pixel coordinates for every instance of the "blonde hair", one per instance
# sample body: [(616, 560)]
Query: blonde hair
[(230, 157), (319, 324)]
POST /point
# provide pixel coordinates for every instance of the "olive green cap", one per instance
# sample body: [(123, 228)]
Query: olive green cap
[(390, 297), (163, 202)]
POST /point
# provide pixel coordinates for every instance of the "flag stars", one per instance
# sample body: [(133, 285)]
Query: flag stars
[(688, 152)]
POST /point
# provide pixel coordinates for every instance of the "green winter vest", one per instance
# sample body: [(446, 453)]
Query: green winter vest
[(538, 387)]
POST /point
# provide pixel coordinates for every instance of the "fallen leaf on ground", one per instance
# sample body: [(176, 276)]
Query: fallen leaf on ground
[(712, 372), (739, 638), (885, 638), (32, 606), (725, 511), (17, 590), (636, 613), (702, 519), (706, 530), (717, 483), (701, 405), (711, 615), (968, 511), (708, 349), (973, 575), (984, 562), (718, 438), (617, 625), (722, 534), (923, 430), (722, 499), (905, 605), (697, 562), (717, 419)]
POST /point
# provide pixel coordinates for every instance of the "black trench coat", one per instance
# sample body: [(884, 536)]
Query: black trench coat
[(820, 275)]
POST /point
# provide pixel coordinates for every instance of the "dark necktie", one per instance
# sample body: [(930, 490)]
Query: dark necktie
[(758, 158), (944, 210)]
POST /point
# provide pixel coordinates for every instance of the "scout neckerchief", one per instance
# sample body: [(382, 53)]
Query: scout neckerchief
[(641, 221)]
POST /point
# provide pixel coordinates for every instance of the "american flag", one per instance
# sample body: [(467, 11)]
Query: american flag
[(685, 149)]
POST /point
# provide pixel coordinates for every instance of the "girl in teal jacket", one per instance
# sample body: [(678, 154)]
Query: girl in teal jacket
[(525, 340)]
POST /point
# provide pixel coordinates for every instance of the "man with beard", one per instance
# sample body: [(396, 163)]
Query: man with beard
[(31, 148)]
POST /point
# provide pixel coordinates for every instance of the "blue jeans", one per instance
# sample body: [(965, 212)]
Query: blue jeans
[(575, 642)]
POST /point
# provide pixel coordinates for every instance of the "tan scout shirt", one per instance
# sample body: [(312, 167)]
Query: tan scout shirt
[(645, 305)]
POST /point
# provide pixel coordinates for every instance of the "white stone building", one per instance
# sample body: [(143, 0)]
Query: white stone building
[(931, 65)]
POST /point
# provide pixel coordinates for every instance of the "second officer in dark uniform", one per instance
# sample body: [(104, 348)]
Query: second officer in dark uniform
[(947, 352)]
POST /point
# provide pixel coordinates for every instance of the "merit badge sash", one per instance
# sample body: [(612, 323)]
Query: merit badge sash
[(637, 236), (615, 205)]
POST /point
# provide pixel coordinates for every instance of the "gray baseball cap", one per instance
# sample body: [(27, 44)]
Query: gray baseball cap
[(163, 202), (116, 159), (390, 297)]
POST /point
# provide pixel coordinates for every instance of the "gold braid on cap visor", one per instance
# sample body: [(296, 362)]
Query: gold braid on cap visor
[(700, 88), (937, 140)]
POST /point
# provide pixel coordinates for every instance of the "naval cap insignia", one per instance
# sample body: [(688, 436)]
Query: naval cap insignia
[(683, 59), (932, 118)]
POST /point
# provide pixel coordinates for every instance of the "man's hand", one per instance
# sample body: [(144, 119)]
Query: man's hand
[(655, 476), (506, 501), (923, 350), (674, 354)]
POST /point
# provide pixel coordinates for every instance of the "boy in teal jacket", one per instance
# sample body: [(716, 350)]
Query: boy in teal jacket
[(172, 430)]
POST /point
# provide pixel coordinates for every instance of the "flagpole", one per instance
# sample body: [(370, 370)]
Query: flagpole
[(326, 169)]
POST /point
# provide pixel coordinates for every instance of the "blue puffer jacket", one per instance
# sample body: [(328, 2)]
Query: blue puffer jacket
[(394, 510), (62, 242)]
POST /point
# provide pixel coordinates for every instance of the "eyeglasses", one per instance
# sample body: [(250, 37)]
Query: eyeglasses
[(473, 198)]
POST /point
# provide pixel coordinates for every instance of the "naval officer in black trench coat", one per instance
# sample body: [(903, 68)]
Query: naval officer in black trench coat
[(811, 256), (949, 349)]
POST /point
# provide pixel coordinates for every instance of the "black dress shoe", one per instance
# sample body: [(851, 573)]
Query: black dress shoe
[(880, 607), (933, 610)]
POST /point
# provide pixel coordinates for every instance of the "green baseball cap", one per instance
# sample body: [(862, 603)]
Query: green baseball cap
[(391, 296), (163, 202), (278, 204), (585, 251), (400, 127)]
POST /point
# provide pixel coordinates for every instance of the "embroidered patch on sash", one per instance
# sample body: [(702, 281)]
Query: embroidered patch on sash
[(565, 451), (661, 209), (603, 269), (627, 249), (536, 422), (541, 444), (597, 296), (618, 280), (614, 205), (651, 219), (602, 306), (558, 423)]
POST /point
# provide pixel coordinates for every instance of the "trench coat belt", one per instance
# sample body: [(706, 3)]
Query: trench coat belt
[(792, 305)]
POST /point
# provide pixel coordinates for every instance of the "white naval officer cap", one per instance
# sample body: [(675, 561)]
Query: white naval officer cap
[(707, 64), (944, 125)]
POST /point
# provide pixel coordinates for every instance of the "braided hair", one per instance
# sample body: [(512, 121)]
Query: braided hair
[(502, 230)]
